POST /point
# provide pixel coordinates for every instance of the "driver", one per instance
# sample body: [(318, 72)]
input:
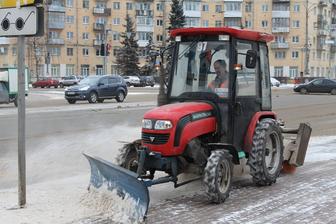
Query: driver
[(222, 76)]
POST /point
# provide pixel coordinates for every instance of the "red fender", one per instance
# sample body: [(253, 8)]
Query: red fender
[(253, 123)]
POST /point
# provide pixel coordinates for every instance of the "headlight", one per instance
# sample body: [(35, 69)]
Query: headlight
[(162, 125), (84, 88), (147, 124)]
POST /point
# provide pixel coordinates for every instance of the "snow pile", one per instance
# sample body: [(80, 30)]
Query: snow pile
[(111, 205)]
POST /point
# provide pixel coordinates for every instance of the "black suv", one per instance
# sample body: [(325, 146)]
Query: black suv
[(97, 88), (147, 81)]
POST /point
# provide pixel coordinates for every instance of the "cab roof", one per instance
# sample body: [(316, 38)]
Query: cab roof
[(211, 31)]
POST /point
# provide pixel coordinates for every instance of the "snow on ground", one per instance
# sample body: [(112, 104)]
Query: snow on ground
[(58, 176)]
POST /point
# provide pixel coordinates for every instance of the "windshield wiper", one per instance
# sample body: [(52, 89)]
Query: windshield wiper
[(192, 44)]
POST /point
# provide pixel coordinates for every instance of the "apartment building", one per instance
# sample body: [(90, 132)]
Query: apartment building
[(305, 33)]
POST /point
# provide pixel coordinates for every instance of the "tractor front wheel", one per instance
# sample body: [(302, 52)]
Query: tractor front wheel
[(218, 176), (266, 156), (128, 156)]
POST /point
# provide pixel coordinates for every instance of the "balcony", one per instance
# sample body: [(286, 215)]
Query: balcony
[(97, 42), (98, 27), (322, 32), (191, 13), (102, 11), (143, 43), (281, 1), (280, 14), (233, 14), (278, 45), (148, 13), (56, 41), (56, 8), (280, 29), (4, 41), (56, 25), (144, 28)]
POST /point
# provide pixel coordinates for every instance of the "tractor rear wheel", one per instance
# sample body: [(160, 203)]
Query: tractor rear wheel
[(266, 156), (218, 176)]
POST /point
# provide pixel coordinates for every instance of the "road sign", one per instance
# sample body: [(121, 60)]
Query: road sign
[(13, 3), (19, 21)]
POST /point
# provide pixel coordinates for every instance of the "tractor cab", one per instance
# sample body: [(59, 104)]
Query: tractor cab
[(243, 90)]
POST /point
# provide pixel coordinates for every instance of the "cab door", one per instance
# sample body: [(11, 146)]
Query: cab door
[(247, 92)]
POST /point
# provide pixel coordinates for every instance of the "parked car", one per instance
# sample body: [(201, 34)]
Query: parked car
[(69, 81), (275, 82), (97, 88), (132, 80), (45, 82), (317, 86), (147, 81)]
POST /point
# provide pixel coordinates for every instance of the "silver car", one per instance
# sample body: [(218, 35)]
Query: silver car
[(69, 81)]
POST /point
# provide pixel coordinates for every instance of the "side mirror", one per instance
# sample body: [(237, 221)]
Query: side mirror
[(251, 59)]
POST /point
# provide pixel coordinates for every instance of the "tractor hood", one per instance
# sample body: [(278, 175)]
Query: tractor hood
[(174, 112)]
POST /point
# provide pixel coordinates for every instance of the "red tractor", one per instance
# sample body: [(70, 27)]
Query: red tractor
[(206, 128)]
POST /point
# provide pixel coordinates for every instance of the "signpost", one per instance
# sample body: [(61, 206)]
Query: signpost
[(20, 18)]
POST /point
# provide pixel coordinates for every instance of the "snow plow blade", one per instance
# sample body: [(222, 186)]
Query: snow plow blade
[(295, 151), (113, 177)]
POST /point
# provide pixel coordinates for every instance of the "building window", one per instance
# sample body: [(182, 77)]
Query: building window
[(115, 36), (264, 23), (159, 37), (99, 70), (248, 7), (191, 6), (144, 35), (278, 71), (248, 24), (296, 8), (69, 51), (85, 70), (159, 7), (233, 6), (55, 70), (55, 51), (70, 70), (205, 8), (280, 39), (219, 8), (70, 19), (295, 54), (86, 4), (280, 54), (192, 22), (69, 35), (3, 50), (85, 51), (205, 23), (129, 6), (115, 51), (295, 39), (69, 3), (116, 21), (85, 36), (293, 71), (114, 70), (14, 51), (218, 23), (159, 22), (264, 8), (296, 24), (116, 5), (85, 20)]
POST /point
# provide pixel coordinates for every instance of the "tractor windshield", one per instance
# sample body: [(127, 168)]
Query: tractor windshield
[(202, 66)]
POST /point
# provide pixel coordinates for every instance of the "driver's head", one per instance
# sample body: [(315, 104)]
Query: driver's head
[(220, 67)]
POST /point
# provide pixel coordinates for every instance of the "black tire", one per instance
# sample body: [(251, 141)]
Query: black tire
[(93, 97), (128, 84), (333, 92), (218, 176), (100, 100), (120, 96), (303, 91), (152, 85), (61, 85), (48, 86), (128, 156), (55, 87), (266, 156), (71, 101)]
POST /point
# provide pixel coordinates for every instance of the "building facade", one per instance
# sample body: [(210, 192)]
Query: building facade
[(304, 45)]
